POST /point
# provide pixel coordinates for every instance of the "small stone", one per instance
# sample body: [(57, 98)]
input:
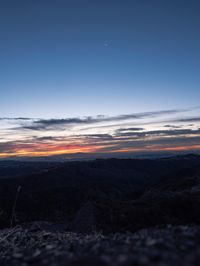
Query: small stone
[(18, 255), (150, 242), (49, 247), (36, 253)]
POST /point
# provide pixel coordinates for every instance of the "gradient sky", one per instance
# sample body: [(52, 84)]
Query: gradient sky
[(82, 70)]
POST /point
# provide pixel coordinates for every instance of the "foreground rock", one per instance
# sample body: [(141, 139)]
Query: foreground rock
[(85, 219), (172, 246)]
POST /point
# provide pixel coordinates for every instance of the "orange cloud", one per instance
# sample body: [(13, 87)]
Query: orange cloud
[(156, 148), (53, 148), (45, 149)]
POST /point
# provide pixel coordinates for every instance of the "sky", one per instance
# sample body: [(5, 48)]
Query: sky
[(99, 76)]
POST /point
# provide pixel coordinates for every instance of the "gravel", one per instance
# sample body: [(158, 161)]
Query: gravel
[(32, 245)]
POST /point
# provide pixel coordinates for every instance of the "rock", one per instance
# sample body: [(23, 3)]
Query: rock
[(17, 255), (85, 219)]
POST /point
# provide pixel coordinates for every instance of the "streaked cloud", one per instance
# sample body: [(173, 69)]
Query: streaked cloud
[(129, 133), (42, 124)]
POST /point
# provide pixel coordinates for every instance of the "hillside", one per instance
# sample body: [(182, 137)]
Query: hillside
[(129, 193)]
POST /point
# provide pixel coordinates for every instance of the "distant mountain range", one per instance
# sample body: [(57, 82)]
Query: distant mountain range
[(91, 156), (117, 194)]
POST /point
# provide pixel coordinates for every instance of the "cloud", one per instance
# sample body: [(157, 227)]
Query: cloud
[(175, 132), (124, 141), (96, 136), (130, 129), (29, 136), (188, 119), (148, 144), (49, 124), (172, 126), (46, 138), (15, 118)]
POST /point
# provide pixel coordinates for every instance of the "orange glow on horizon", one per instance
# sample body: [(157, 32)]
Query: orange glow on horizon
[(160, 149), (46, 150), (49, 150)]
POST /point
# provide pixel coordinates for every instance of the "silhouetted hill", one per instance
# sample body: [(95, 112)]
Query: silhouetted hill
[(14, 168), (126, 194)]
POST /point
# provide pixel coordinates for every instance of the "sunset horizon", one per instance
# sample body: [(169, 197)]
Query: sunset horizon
[(147, 132), (99, 77)]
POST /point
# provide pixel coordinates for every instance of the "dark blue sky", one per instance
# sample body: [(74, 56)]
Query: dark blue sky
[(88, 57), (106, 76)]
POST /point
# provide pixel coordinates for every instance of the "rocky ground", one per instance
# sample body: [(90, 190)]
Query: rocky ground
[(45, 244)]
